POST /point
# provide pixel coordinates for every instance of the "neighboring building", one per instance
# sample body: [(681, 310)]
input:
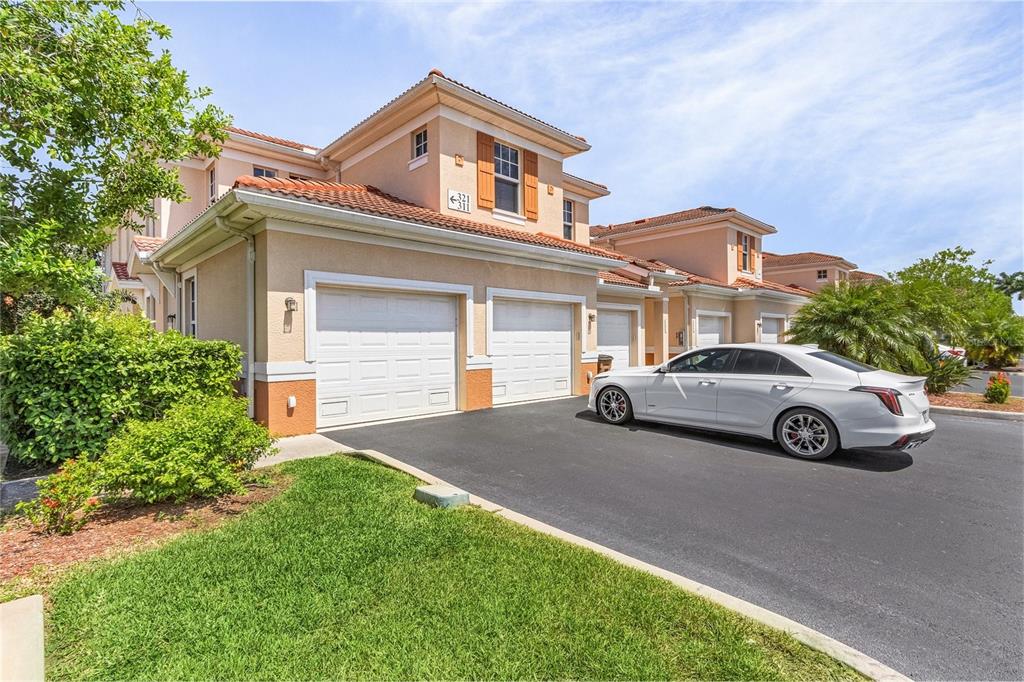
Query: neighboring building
[(433, 258), (808, 269), (706, 265)]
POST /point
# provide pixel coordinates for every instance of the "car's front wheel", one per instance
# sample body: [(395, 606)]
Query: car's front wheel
[(613, 405), (807, 434)]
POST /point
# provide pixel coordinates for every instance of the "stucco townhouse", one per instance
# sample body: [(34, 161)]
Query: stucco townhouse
[(812, 270), (435, 257)]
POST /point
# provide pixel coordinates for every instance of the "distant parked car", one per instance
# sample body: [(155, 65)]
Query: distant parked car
[(953, 353), (810, 401)]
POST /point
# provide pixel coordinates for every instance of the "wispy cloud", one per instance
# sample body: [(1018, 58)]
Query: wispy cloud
[(882, 131)]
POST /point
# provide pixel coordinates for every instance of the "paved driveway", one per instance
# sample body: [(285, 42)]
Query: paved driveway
[(913, 559)]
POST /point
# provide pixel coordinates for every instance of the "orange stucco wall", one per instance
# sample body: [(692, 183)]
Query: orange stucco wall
[(479, 390), (271, 406)]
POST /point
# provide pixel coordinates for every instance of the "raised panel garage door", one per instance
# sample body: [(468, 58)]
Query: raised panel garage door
[(531, 348), (613, 332), (771, 327), (382, 355), (709, 329)]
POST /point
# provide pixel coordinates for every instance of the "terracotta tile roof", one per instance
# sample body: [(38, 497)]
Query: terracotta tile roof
[(440, 74), (370, 200), (860, 275), (739, 283), (270, 138), (121, 272), (619, 280), (600, 231), (652, 265), (147, 243), (775, 260)]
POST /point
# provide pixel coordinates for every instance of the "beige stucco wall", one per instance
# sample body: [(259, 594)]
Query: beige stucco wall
[(703, 252), (458, 139), (221, 302), (709, 303), (747, 313), (388, 170), (291, 254), (194, 180)]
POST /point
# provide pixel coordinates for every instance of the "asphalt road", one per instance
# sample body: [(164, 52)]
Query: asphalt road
[(977, 383), (915, 559)]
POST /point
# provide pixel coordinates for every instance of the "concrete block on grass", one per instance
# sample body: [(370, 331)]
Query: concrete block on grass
[(444, 496)]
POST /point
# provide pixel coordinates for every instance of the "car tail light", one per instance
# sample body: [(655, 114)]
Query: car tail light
[(890, 397)]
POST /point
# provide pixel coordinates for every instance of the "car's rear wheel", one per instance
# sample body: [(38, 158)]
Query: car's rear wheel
[(806, 433), (613, 405)]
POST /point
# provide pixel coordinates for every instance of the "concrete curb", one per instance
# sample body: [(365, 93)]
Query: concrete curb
[(21, 640), (843, 653), (984, 414)]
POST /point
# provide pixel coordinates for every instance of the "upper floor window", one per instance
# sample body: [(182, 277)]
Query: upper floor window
[(419, 143), (506, 178), (567, 219), (213, 184), (843, 275), (822, 275), (745, 243), (261, 172)]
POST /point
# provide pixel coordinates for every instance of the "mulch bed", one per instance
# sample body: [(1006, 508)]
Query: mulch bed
[(976, 401), (119, 527)]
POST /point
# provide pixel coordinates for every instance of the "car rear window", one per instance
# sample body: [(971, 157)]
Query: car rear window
[(843, 362)]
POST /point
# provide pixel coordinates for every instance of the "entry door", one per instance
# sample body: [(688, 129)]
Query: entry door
[(613, 334), (771, 327), (531, 346), (710, 330), (382, 355)]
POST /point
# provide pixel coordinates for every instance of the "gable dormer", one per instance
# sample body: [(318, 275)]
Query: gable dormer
[(452, 149)]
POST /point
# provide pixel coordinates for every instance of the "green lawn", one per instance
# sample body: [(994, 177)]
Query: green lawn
[(345, 576)]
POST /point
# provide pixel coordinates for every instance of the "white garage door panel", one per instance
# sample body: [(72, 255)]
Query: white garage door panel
[(613, 333), (382, 355), (531, 350), (709, 330), (770, 329)]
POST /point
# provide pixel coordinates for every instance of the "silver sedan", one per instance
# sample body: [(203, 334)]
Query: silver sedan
[(810, 401)]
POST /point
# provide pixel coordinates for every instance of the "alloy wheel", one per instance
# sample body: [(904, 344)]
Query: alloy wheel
[(805, 434), (613, 405)]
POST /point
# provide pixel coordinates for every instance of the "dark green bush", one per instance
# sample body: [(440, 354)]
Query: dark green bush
[(68, 382), (199, 448), (945, 373)]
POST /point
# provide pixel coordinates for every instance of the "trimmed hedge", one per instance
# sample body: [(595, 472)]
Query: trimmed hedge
[(69, 381)]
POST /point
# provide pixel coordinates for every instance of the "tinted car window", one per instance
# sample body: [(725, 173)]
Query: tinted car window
[(755, 362), (843, 362), (713, 360), (788, 368)]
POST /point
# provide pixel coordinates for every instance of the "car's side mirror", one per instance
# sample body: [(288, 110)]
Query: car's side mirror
[(662, 369)]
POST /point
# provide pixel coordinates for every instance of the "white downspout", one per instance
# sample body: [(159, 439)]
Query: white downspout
[(250, 309)]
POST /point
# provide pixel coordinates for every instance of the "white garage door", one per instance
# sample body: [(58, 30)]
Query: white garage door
[(710, 330), (382, 355), (531, 350), (613, 332), (771, 327)]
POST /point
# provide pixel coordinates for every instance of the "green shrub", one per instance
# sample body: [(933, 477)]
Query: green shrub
[(66, 499), (998, 388), (68, 382), (199, 448), (945, 373), (997, 339)]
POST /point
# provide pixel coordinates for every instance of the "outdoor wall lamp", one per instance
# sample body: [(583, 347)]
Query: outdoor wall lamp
[(290, 304)]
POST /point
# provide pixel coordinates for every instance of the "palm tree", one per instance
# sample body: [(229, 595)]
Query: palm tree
[(1011, 284), (868, 324)]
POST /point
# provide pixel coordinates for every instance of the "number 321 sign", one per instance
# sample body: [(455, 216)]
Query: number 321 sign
[(458, 201)]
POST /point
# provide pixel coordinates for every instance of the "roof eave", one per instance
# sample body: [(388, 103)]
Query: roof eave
[(590, 190)]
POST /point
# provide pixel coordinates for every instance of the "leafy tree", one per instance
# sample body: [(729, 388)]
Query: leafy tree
[(865, 323), (1011, 284), (997, 338), (88, 113), (946, 293)]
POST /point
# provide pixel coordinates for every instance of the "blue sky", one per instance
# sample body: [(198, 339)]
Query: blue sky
[(880, 132)]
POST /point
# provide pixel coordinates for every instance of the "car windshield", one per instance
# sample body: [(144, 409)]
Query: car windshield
[(843, 361)]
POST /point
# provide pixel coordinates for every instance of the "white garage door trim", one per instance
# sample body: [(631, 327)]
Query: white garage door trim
[(712, 313), (384, 354), (317, 277), (781, 328)]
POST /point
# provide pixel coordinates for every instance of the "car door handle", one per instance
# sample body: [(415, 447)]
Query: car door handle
[(782, 386), (707, 382)]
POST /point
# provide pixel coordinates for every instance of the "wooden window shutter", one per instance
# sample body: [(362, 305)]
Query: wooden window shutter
[(530, 184), (739, 251), (753, 255), (484, 170)]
